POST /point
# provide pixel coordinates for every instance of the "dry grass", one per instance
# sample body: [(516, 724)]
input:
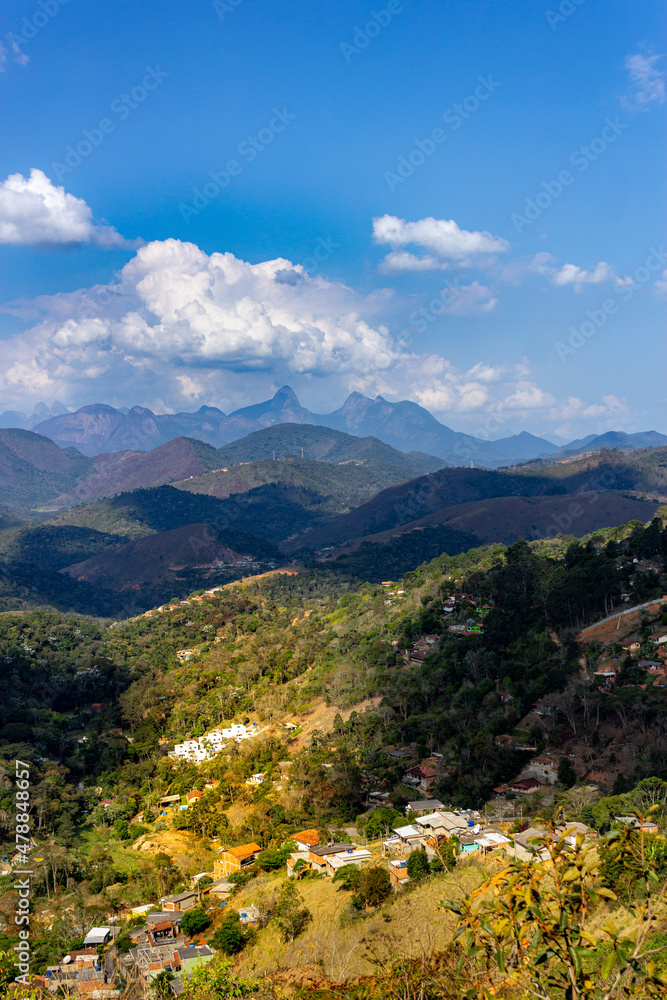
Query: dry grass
[(345, 944)]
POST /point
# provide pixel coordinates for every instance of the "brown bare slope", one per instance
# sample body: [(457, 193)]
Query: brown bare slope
[(407, 502), (506, 519), (154, 558), (121, 471)]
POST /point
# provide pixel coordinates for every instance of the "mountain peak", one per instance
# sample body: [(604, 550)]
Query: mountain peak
[(286, 395)]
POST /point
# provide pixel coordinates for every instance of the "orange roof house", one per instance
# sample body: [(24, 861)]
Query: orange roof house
[(193, 795), (306, 839), (235, 859)]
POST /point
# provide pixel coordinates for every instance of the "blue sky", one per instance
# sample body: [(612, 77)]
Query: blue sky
[(377, 236)]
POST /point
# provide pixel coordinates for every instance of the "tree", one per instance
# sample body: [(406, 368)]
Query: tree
[(292, 918), (374, 886), (566, 773), (348, 876), (381, 821), (216, 980), (418, 865), (161, 988), (230, 937), (526, 928), (194, 922)]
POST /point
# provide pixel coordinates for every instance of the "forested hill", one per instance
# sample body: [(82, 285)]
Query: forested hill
[(95, 709)]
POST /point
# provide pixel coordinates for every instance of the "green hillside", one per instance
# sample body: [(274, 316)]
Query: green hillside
[(33, 470), (325, 445), (340, 486), (94, 711)]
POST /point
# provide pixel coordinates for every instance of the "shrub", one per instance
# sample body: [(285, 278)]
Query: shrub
[(194, 922), (418, 865), (230, 937)]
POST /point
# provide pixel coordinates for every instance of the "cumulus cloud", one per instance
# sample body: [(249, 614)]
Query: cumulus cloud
[(399, 261), (610, 413), (174, 307), (179, 327), (647, 84), (448, 244), (488, 397), (33, 211), (568, 274)]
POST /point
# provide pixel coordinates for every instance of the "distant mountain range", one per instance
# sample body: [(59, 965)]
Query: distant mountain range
[(36, 472), (98, 428), (128, 529)]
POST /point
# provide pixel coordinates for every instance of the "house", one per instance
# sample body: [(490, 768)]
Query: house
[(504, 741), (573, 830), (294, 859), (492, 840), (81, 973), (141, 911), (647, 826), (158, 918), (409, 836), (256, 779), (399, 753), (168, 800), (423, 806), (161, 931), (525, 846), (434, 824), (659, 637), (193, 795), (526, 786), (221, 888), (234, 859), (421, 775), (398, 872), (607, 674), (305, 839), (183, 901), (151, 960), (544, 768), (378, 798), (190, 958), (469, 843), (97, 936), (249, 916), (317, 856), (353, 856)]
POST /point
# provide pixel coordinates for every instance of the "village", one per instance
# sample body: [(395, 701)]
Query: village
[(165, 936)]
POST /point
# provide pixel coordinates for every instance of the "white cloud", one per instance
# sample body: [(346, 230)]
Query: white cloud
[(471, 300), (570, 274), (19, 56), (506, 392), (33, 211), (179, 327), (528, 396), (176, 314), (399, 261), (647, 84), (447, 242), (661, 285)]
